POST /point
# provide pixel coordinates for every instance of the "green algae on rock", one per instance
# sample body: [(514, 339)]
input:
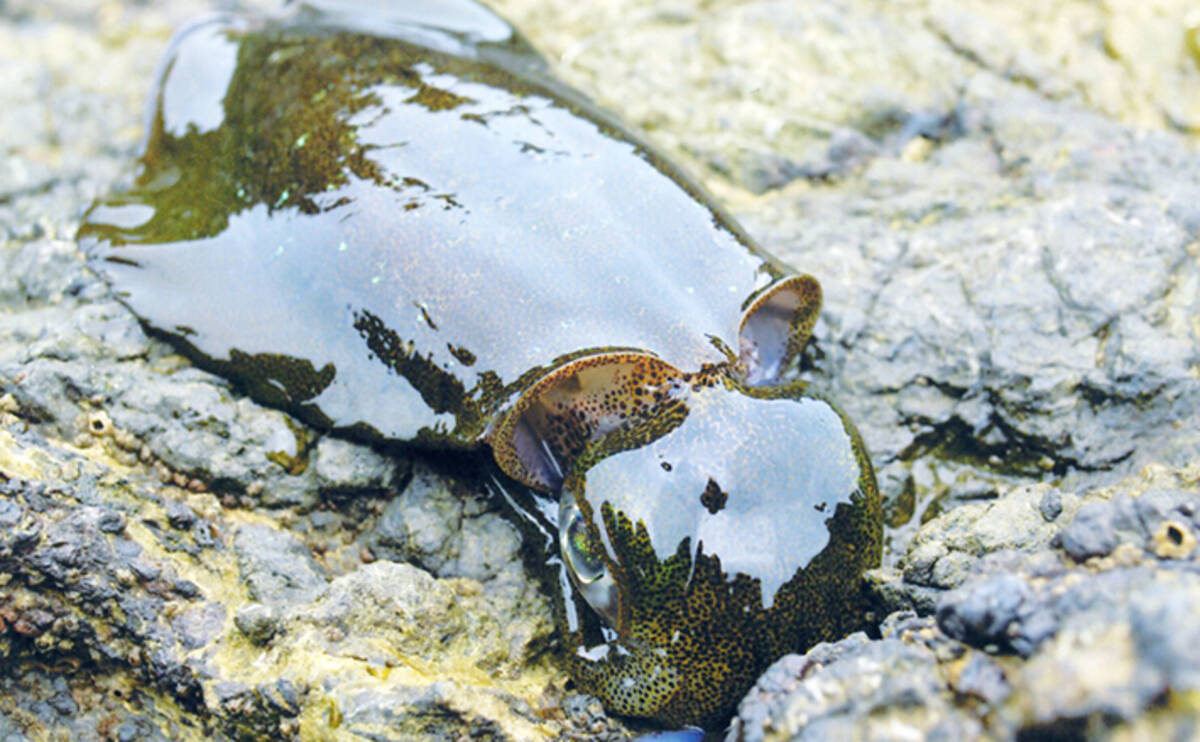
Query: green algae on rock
[(398, 225)]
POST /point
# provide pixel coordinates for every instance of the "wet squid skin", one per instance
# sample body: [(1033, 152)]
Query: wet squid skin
[(396, 224)]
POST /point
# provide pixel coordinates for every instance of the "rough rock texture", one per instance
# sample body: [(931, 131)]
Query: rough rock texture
[(1081, 626), (1002, 201)]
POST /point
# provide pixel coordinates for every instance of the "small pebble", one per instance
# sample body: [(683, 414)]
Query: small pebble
[(1091, 533), (111, 521), (187, 589), (1051, 505)]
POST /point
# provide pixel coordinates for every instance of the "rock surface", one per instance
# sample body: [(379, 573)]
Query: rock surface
[(1090, 633), (1002, 202)]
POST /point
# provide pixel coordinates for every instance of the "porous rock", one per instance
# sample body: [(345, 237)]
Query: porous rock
[(1039, 641)]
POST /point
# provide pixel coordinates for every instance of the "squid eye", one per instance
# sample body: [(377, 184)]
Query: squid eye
[(580, 550), (584, 559)]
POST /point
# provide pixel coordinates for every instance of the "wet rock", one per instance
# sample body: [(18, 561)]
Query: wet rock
[(1094, 531), (266, 711), (1160, 521), (41, 701), (259, 622), (447, 530), (179, 515), (1051, 505), (399, 606), (977, 384), (343, 466), (942, 554), (854, 689), (1108, 657), (276, 567), (43, 272), (189, 422), (111, 522), (1102, 652), (198, 625), (982, 678), (397, 715), (1047, 639), (186, 589), (345, 645), (982, 612), (128, 600), (65, 592)]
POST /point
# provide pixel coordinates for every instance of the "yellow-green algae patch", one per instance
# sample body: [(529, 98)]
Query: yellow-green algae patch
[(216, 576), (449, 646), (439, 638)]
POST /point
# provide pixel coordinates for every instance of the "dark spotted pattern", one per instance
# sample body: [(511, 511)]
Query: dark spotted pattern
[(583, 400), (694, 636), (699, 637), (712, 498)]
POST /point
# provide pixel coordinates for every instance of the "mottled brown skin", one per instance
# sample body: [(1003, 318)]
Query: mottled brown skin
[(396, 224), (710, 624)]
